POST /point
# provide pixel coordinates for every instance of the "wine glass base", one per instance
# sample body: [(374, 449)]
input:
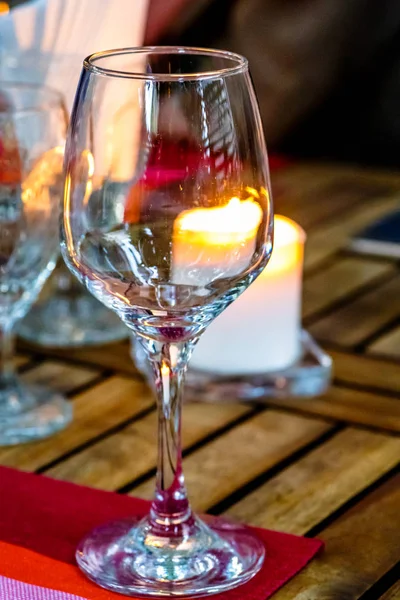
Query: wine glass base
[(124, 556), (71, 321), (29, 413)]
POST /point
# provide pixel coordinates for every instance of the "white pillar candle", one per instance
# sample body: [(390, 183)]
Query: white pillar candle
[(260, 331)]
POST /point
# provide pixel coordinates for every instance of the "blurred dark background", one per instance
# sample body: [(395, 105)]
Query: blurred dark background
[(326, 72)]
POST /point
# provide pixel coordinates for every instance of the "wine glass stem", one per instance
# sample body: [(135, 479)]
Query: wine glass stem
[(7, 350), (170, 506)]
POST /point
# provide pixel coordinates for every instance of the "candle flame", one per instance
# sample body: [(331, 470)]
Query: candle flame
[(165, 370), (236, 219), (215, 242)]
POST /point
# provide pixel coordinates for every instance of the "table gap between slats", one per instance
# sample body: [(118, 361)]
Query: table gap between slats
[(394, 592)]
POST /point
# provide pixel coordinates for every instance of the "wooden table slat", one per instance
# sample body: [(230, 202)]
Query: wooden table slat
[(348, 274), (59, 376), (362, 370), (352, 406), (308, 491), (355, 322), (243, 454), (111, 356), (387, 345), (361, 546), (95, 412), (335, 234), (326, 195), (114, 462), (20, 360)]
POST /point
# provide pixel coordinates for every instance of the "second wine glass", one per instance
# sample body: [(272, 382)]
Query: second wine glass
[(173, 224), (65, 314), (33, 124)]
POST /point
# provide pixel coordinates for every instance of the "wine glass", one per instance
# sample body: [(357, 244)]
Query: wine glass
[(65, 314), (33, 124), (167, 237)]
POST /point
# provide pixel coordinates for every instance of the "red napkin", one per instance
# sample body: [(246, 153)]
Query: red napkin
[(49, 517)]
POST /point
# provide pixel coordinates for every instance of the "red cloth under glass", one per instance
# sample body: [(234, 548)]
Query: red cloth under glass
[(49, 517)]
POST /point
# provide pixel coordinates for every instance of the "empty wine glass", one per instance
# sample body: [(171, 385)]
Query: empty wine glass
[(175, 223), (65, 314), (33, 125)]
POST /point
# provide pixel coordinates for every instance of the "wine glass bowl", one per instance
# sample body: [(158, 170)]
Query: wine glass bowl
[(171, 224), (126, 247)]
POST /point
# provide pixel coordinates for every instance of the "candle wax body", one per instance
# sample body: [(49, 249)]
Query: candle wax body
[(260, 331)]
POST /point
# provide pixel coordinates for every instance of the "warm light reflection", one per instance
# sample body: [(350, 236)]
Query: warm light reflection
[(45, 173), (124, 133), (67, 219), (88, 172), (237, 220), (90, 161)]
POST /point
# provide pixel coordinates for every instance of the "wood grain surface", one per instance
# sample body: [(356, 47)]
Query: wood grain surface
[(361, 546)]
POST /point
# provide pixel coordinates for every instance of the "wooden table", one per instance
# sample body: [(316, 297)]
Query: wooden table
[(324, 467)]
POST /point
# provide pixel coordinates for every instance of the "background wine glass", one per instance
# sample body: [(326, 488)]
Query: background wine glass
[(33, 123), (175, 224), (65, 314)]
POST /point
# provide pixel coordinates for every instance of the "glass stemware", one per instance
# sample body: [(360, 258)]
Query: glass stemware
[(174, 223), (65, 314), (33, 126)]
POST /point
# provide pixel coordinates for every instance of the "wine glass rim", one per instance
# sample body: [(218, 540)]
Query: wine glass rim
[(239, 63), (53, 98)]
